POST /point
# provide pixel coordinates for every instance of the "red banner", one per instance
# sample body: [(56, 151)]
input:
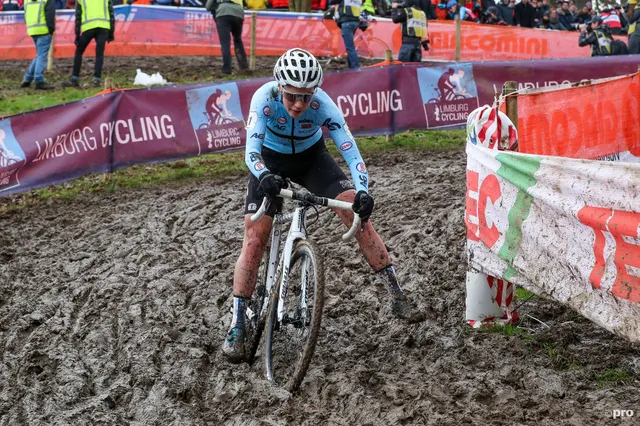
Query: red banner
[(590, 122), (167, 31)]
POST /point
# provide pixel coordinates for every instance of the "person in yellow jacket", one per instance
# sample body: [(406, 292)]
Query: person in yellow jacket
[(414, 29), (94, 20), (40, 17)]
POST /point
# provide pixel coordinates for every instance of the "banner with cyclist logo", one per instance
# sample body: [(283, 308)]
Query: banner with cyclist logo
[(448, 93), (216, 116), (561, 227), (12, 158)]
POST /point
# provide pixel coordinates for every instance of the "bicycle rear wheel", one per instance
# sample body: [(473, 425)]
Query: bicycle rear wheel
[(290, 344)]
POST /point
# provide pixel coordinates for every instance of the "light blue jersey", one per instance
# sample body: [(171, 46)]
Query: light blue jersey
[(270, 125)]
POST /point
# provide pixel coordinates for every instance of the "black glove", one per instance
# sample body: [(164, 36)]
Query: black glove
[(76, 41), (425, 45), (270, 184), (363, 205), (111, 38)]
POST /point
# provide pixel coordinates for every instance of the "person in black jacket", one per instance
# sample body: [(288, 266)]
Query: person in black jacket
[(94, 20), (597, 36), (414, 29), (506, 12), (524, 14), (229, 17)]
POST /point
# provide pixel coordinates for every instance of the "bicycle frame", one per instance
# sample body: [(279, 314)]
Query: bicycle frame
[(297, 231)]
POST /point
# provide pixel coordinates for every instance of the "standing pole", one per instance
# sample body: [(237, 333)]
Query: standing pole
[(388, 56), (50, 54), (458, 36), (252, 54), (511, 99)]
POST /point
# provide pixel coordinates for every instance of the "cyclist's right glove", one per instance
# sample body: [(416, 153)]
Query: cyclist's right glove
[(270, 184), (363, 205)]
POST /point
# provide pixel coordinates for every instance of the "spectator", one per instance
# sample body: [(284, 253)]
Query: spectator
[(506, 12), (40, 19), (565, 17), (441, 9), (348, 21), (545, 6), (414, 30), (229, 17), (492, 16), (256, 4), (11, 6), (95, 20), (597, 36), (554, 21), (537, 20), (611, 18), (584, 16), (545, 23), (524, 14), (456, 10), (589, 6)]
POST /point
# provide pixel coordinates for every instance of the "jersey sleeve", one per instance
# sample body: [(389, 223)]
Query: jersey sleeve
[(334, 121), (256, 128)]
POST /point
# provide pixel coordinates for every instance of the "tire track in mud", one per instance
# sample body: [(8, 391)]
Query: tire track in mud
[(114, 306)]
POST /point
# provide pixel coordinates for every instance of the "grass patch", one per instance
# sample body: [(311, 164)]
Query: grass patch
[(524, 294), (613, 377)]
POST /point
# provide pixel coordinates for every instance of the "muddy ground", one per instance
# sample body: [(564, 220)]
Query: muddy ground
[(113, 308), (192, 69)]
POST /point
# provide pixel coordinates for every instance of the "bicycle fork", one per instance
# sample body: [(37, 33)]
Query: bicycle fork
[(296, 232)]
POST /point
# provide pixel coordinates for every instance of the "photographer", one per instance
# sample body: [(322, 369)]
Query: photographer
[(414, 29), (596, 35)]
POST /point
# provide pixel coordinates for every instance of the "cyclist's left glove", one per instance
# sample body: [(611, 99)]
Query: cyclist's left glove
[(363, 205), (270, 184)]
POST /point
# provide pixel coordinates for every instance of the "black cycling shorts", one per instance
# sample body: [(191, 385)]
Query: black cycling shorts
[(315, 169)]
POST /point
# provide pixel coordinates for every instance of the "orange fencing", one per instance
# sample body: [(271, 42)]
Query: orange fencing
[(593, 121), (171, 31)]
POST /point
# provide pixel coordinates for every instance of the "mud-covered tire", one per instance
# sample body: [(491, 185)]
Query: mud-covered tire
[(280, 368)]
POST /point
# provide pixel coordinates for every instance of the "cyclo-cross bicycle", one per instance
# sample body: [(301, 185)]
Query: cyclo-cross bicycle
[(289, 295)]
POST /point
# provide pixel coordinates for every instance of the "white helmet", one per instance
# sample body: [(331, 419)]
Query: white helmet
[(298, 68)]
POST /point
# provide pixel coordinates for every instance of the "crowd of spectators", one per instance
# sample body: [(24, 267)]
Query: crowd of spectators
[(563, 15)]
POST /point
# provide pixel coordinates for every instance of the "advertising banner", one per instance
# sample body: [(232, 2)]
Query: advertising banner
[(596, 121), (143, 30), (565, 228)]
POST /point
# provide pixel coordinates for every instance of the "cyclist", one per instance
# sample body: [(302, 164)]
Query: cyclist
[(284, 140), (5, 153), (450, 84)]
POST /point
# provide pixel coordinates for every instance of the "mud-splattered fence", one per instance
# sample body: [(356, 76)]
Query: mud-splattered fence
[(565, 226)]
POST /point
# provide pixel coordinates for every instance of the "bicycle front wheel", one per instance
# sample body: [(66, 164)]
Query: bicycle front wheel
[(291, 342)]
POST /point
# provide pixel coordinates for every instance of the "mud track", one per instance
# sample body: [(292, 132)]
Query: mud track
[(114, 306)]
